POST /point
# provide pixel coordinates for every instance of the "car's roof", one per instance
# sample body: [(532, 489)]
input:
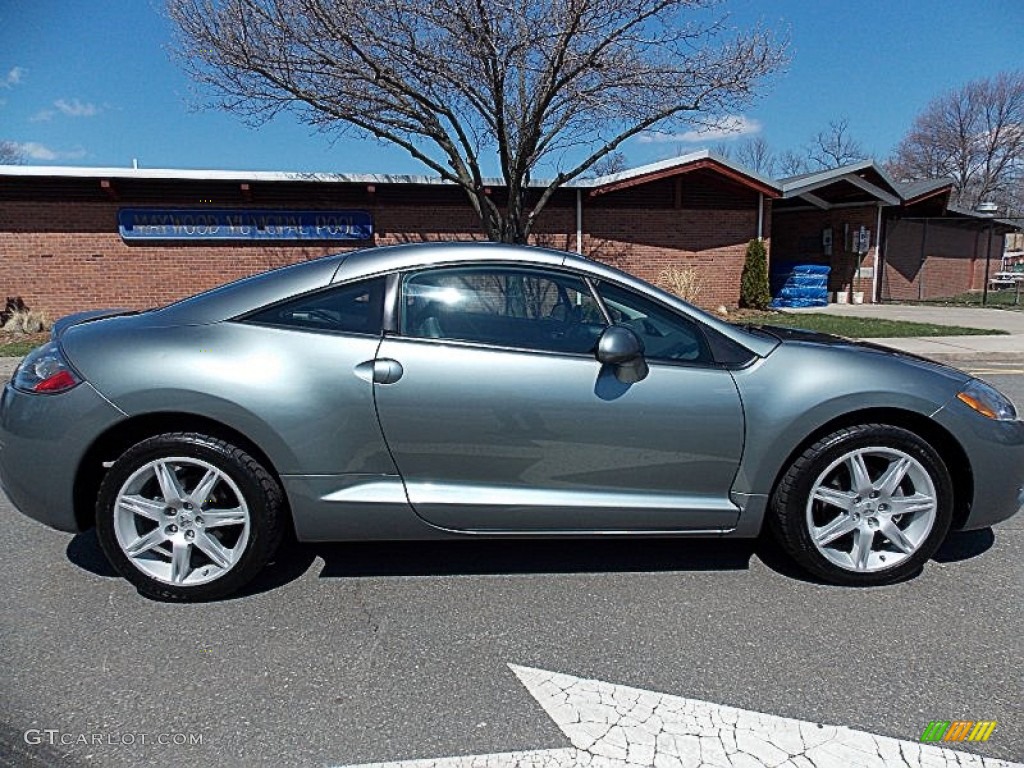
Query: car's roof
[(411, 255)]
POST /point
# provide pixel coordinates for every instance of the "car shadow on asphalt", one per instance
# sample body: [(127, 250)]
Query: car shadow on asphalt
[(532, 556), (84, 551), (963, 545), (522, 557), (472, 557), (958, 546)]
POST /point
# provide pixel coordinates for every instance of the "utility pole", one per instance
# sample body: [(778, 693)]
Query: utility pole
[(987, 209)]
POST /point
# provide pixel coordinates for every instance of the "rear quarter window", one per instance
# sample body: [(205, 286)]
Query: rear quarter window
[(351, 308)]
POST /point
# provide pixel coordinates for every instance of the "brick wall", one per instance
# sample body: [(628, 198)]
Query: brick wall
[(63, 258), (798, 238), (66, 256), (950, 261), (646, 242)]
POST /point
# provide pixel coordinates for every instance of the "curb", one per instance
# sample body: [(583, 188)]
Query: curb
[(978, 357)]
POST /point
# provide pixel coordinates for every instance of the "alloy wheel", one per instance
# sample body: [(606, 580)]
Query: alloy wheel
[(181, 521), (871, 509)]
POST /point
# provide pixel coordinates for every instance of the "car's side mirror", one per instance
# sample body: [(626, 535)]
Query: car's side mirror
[(622, 349)]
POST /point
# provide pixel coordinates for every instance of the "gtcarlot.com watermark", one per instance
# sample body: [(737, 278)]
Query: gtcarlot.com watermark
[(57, 738)]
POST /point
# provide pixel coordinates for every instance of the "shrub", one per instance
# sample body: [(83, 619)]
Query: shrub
[(684, 282), (754, 291), (25, 321), (14, 304)]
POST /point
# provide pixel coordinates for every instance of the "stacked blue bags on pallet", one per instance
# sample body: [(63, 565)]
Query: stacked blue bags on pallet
[(799, 285)]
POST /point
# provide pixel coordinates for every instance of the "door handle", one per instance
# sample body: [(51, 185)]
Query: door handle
[(383, 370), (386, 370)]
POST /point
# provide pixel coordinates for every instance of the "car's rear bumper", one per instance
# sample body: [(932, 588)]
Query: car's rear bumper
[(995, 450), (43, 439)]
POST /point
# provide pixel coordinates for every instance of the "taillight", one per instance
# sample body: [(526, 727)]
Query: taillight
[(44, 370)]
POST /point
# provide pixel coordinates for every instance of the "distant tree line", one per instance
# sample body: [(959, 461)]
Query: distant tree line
[(831, 147), (972, 135), (10, 153)]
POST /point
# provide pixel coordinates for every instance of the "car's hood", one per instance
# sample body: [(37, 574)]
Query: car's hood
[(801, 336), (84, 317)]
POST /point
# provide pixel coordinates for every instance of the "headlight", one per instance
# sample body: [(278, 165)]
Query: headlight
[(45, 371), (988, 401)]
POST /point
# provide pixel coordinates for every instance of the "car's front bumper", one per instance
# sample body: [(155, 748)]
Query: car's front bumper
[(43, 439), (995, 450)]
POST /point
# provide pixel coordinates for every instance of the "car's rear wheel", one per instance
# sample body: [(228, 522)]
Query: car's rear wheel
[(185, 516), (863, 506)]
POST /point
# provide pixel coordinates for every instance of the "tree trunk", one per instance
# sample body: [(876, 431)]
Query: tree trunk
[(513, 228), (508, 226)]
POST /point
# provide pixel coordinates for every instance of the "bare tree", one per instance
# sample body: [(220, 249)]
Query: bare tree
[(467, 84), (834, 147), (613, 162), (722, 149), (974, 135), (756, 155), (10, 153), (792, 163)]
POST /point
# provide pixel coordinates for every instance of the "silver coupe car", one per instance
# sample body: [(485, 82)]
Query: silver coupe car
[(481, 390)]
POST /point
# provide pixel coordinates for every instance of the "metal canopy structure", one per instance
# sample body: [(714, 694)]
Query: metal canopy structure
[(858, 184)]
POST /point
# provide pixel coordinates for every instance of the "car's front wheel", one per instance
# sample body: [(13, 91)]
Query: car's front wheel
[(865, 505), (185, 516)]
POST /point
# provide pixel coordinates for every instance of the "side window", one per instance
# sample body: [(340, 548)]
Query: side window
[(352, 308), (509, 307), (667, 335)]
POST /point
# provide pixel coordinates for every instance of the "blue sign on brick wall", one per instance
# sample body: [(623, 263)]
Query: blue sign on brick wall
[(242, 224)]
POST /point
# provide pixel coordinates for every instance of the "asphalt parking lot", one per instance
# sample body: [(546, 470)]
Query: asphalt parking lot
[(378, 652)]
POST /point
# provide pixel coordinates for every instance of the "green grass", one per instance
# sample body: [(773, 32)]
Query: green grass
[(863, 327), (18, 346), (997, 299), (17, 349)]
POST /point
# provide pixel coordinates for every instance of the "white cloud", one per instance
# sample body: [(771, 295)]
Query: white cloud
[(33, 150), (76, 108), (72, 108), (13, 77), (727, 128)]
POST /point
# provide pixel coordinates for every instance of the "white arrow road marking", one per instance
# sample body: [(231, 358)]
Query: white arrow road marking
[(613, 726)]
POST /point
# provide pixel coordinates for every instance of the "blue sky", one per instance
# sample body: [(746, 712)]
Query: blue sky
[(93, 84)]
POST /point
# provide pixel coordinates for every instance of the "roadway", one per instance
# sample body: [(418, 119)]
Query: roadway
[(377, 652)]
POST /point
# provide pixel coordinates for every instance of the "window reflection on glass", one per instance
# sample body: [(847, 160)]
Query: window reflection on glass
[(522, 308), (666, 334)]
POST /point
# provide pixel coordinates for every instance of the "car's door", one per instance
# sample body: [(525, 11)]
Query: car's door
[(500, 418), (312, 386)]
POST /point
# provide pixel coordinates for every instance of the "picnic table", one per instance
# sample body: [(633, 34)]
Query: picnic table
[(1005, 280)]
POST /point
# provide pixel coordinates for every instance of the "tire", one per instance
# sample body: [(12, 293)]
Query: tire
[(864, 506), (187, 517)]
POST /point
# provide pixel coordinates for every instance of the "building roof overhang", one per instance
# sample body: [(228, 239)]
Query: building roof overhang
[(982, 220), (861, 182), (188, 174), (919, 191), (644, 174), (679, 166)]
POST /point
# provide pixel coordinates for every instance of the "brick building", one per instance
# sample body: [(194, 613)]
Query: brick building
[(934, 249), (81, 238), (916, 245)]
